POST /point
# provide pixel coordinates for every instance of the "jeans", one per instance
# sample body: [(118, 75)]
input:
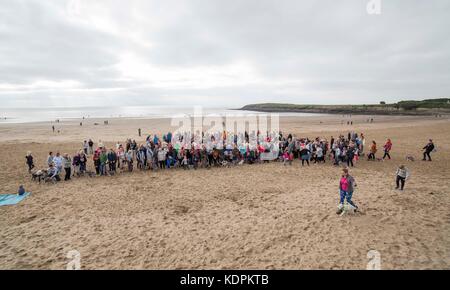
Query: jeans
[(350, 161), (400, 181), (112, 166), (346, 196), (426, 154), (102, 169)]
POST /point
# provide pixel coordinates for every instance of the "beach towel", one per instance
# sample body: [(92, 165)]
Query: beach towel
[(11, 199)]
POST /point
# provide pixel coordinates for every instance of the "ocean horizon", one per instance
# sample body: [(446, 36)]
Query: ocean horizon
[(51, 114)]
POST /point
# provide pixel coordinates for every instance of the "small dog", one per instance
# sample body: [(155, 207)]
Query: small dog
[(346, 209), (410, 158)]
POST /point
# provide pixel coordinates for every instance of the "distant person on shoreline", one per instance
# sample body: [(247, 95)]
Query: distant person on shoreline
[(428, 149), (139, 132), (53, 128)]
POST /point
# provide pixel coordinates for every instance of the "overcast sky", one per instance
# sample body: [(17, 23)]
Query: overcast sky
[(221, 52)]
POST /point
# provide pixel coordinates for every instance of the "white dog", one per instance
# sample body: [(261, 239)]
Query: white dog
[(345, 209)]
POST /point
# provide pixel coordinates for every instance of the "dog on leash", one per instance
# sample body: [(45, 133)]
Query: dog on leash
[(39, 175), (410, 158), (344, 209)]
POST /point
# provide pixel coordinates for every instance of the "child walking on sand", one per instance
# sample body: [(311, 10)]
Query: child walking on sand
[(402, 175)]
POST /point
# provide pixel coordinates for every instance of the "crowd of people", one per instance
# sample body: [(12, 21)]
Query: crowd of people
[(212, 150), (190, 151)]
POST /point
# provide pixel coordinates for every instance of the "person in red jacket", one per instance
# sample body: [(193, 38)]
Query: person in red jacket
[(387, 148)]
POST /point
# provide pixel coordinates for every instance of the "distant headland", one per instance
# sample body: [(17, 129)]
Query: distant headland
[(424, 107)]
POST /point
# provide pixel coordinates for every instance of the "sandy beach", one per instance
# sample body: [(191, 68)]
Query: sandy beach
[(264, 216)]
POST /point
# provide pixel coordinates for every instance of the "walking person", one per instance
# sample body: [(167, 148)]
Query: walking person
[(428, 149), (373, 151), (347, 186), (387, 148), (402, 175)]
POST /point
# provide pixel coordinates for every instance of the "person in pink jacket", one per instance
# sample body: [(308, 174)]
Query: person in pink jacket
[(387, 148)]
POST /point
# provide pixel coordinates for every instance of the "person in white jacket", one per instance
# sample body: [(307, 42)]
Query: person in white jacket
[(402, 175)]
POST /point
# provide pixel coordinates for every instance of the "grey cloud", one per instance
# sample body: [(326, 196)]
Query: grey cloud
[(300, 51)]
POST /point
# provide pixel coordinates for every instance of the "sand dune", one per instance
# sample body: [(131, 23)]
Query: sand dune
[(263, 216)]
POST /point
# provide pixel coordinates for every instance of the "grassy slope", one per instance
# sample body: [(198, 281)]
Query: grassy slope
[(425, 107)]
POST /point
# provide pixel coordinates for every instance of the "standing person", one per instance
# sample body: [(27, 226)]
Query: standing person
[(53, 128), (85, 147), (91, 147), (112, 158), (67, 163), (96, 159), (305, 154), (76, 163), (362, 144), (129, 158), (50, 158), (139, 132), (428, 149), (103, 161), (387, 148), (121, 157), (29, 161), (319, 155), (162, 153), (373, 151), (350, 154), (402, 175), (347, 186), (83, 161), (58, 161)]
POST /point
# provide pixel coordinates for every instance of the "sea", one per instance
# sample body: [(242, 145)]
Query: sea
[(51, 114)]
